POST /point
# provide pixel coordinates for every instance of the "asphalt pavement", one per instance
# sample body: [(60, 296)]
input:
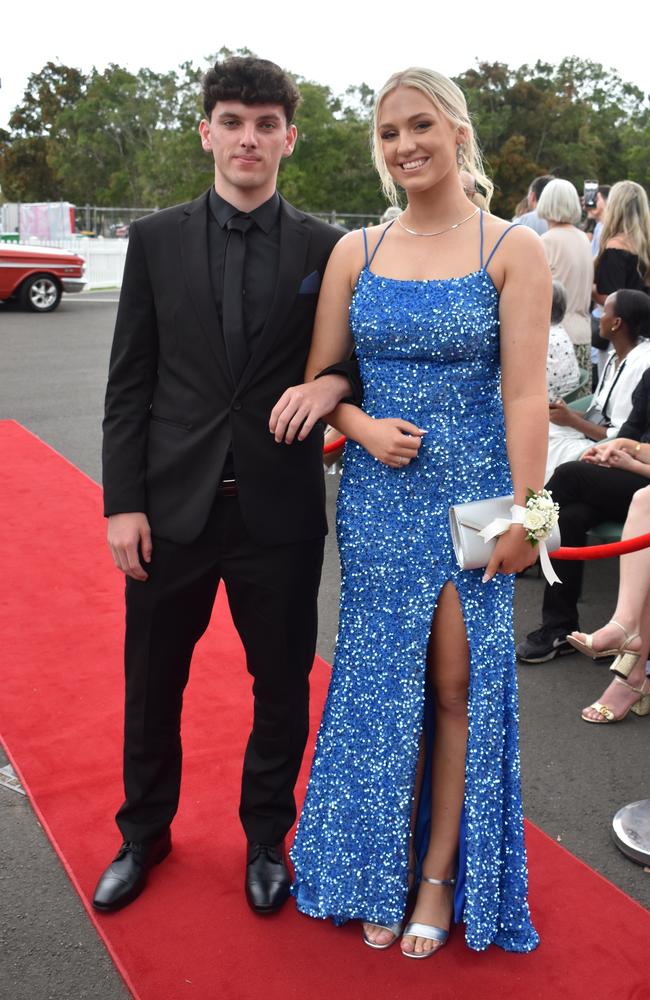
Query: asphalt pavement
[(575, 776)]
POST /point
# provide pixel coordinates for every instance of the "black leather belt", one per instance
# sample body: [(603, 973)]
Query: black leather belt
[(227, 488)]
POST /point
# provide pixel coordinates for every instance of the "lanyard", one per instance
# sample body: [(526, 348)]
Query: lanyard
[(603, 408)]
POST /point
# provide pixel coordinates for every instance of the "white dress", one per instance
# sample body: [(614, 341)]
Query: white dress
[(562, 371)]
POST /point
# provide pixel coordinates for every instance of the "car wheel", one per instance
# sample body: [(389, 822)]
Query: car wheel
[(40, 293)]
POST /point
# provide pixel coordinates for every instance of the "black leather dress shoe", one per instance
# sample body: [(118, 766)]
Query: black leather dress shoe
[(126, 876), (267, 878)]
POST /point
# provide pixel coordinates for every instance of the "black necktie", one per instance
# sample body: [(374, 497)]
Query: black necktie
[(233, 294)]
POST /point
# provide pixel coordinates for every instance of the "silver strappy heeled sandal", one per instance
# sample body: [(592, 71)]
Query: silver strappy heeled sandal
[(426, 930), (395, 930)]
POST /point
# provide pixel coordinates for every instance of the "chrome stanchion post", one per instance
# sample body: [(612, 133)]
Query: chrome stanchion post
[(631, 831)]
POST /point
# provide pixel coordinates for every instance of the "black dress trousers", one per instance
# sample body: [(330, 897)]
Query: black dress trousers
[(587, 494), (272, 592)]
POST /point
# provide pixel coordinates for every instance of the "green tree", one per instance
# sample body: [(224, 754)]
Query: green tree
[(575, 120)]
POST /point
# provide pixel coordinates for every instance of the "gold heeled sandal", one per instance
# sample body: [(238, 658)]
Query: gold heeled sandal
[(640, 707), (427, 931), (625, 658)]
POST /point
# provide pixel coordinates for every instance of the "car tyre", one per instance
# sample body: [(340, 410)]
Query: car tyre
[(40, 293)]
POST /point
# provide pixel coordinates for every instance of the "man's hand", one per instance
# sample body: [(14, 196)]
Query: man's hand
[(300, 407), (560, 414), (129, 534)]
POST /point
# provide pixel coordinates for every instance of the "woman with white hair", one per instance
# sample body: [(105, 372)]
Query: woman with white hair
[(447, 308), (568, 252)]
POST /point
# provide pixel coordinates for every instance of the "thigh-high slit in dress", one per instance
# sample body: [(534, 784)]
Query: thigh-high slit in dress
[(428, 352)]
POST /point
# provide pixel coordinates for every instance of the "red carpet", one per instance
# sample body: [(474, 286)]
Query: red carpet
[(191, 935)]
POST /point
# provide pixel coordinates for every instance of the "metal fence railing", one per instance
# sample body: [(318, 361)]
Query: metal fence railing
[(95, 220)]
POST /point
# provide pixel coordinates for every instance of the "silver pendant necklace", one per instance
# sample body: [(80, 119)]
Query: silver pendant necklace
[(440, 231)]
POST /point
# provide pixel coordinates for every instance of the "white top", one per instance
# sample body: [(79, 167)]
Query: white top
[(620, 402), (568, 252), (562, 371), (567, 444)]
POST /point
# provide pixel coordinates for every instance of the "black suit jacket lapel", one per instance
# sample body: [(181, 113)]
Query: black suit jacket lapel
[(294, 241), (196, 270)]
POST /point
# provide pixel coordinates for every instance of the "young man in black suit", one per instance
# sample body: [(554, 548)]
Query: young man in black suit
[(214, 324)]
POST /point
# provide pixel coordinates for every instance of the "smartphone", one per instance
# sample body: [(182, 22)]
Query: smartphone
[(590, 191)]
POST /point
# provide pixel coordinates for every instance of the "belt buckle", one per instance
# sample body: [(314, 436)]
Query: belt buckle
[(227, 488)]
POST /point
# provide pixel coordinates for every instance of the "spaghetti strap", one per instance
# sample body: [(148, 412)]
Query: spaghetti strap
[(374, 252), (365, 247), (496, 245), (480, 225)]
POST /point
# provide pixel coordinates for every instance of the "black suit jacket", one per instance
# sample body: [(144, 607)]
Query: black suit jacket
[(637, 425), (172, 407)]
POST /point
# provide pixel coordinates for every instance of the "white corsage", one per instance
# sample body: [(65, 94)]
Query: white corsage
[(539, 518), (541, 515)]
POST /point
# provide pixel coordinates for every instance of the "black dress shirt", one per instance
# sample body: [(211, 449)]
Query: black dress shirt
[(261, 262)]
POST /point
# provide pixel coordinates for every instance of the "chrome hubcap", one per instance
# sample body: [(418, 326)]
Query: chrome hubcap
[(43, 293)]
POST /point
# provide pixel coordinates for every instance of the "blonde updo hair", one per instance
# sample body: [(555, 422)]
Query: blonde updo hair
[(450, 101), (628, 215)]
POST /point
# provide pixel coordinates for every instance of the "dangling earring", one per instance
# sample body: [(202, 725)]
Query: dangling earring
[(460, 154)]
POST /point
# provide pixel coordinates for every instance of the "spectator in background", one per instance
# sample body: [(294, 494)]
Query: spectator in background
[(531, 218), (625, 324), (598, 215), (520, 208), (599, 346), (598, 488), (390, 213), (569, 257), (562, 372), (623, 259), (627, 634)]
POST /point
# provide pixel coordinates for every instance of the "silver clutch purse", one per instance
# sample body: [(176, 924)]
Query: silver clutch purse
[(467, 519)]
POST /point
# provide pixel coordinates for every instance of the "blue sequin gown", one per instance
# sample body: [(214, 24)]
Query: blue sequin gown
[(428, 352)]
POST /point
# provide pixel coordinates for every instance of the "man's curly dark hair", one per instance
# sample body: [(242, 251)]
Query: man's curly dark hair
[(251, 81)]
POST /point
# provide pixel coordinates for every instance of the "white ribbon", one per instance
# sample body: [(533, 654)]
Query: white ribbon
[(501, 524)]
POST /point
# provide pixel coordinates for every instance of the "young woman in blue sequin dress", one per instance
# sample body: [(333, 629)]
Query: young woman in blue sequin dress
[(415, 781)]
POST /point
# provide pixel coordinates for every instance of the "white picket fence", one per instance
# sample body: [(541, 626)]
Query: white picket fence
[(104, 258)]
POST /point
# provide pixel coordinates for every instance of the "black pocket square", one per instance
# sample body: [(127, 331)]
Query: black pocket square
[(310, 284)]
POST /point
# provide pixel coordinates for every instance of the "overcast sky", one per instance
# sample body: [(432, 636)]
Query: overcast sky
[(333, 42)]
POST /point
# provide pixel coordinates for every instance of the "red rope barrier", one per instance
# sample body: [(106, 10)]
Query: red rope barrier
[(334, 445), (607, 551)]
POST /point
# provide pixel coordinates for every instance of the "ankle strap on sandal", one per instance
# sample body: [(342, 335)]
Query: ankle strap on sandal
[(439, 881), (629, 636)]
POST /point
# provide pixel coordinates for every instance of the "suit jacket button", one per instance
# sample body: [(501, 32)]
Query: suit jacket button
[(236, 405)]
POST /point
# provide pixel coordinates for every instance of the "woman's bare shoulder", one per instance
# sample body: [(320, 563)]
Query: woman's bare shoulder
[(519, 239), (618, 242), (351, 248)]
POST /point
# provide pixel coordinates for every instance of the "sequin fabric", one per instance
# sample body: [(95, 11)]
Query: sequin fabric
[(428, 352)]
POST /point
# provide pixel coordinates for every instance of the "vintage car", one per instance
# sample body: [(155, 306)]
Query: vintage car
[(37, 276)]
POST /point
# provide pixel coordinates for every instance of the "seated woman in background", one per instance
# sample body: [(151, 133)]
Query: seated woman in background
[(626, 324), (562, 371), (569, 256), (598, 488), (627, 634)]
